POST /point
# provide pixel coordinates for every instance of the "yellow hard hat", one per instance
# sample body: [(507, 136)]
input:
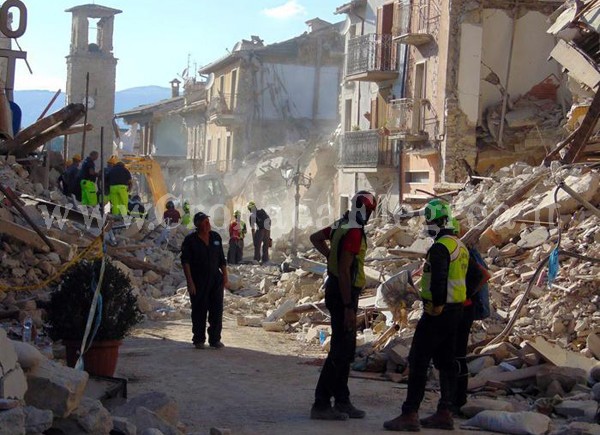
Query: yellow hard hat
[(113, 160), (68, 162), (77, 158)]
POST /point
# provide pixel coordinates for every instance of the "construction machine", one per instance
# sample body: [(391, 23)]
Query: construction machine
[(204, 192), (150, 169)]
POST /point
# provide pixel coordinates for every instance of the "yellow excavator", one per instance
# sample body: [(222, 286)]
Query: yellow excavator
[(205, 192)]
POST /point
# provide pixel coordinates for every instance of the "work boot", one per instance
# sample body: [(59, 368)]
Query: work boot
[(408, 422), (217, 345), (350, 409), (199, 345), (442, 419), (327, 413)]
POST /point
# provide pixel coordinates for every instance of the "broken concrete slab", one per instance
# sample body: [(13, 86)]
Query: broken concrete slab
[(568, 377), (55, 387), (516, 375), (90, 417), (558, 356)]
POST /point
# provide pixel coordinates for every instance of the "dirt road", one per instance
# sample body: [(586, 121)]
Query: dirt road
[(261, 383)]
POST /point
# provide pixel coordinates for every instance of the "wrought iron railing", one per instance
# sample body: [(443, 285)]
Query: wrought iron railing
[(407, 115), (360, 149), (371, 52), (415, 17)]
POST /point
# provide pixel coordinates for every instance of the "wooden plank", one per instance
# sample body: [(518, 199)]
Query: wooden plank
[(407, 253), (515, 375)]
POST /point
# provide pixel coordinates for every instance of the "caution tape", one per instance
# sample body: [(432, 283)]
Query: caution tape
[(87, 252)]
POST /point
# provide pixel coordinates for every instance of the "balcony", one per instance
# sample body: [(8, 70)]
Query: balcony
[(414, 22), (221, 109), (360, 149), (407, 119), (371, 58)]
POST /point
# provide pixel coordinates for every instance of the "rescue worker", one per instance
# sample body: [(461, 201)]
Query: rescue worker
[(87, 180), (237, 232), (345, 255), (71, 178), (260, 224), (186, 219), (110, 163), (443, 291), (119, 183), (171, 215), (135, 207), (62, 180), (476, 277), (205, 270)]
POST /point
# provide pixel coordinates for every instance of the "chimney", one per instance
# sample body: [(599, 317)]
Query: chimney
[(174, 88)]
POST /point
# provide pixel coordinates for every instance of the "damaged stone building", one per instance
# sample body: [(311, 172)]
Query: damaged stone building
[(434, 89), (268, 95)]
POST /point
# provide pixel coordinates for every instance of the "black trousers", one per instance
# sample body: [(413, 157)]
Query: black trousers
[(333, 381), (462, 341), (261, 245), (235, 253), (435, 338), (209, 304)]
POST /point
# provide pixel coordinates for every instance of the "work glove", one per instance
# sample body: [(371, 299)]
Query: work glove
[(433, 310)]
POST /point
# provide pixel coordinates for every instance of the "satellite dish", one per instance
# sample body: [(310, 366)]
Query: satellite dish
[(210, 81), (237, 46), (346, 26)]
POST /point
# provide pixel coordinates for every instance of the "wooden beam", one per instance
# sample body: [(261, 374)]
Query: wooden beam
[(584, 131)]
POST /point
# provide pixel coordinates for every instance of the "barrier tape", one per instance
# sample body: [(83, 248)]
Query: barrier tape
[(96, 243)]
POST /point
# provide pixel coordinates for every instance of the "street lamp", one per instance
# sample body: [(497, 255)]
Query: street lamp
[(294, 176)]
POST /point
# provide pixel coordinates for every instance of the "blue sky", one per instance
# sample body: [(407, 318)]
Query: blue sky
[(153, 38)]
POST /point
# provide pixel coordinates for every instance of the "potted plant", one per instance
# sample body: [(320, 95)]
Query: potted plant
[(68, 311)]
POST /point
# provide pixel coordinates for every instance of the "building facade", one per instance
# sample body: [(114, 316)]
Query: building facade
[(269, 95), (436, 89)]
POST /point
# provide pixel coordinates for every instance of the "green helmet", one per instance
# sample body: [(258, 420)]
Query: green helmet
[(237, 214), (437, 209), (186, 206), (251, 205), (455, 224)]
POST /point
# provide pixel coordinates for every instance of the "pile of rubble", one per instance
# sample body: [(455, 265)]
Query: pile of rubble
[(45, 394)]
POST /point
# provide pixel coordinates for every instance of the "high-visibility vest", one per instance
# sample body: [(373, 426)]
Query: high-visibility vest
[(457, 271), (357, 271)]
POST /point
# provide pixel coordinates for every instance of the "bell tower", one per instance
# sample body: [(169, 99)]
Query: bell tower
[(91, 52)]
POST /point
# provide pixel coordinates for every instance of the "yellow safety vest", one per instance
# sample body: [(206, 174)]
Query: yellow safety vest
[(357, 271), (457, 271)]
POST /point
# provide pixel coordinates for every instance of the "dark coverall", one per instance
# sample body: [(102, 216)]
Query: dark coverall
[(262, 236), (205, 262), (435, 337), (333, 381)]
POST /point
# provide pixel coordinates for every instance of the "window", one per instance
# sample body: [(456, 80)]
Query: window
[(233, 89), (209, 150), (421, 177), (348, 115)]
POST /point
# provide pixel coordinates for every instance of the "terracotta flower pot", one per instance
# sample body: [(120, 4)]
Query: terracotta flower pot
[(100, 359)]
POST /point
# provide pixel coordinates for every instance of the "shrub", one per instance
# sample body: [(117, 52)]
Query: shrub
[(71, 301)]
